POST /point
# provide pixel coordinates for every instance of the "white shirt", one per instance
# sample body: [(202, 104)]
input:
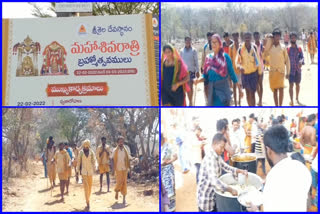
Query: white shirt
[(287, 186), (121, 164), (237, 138), (314, 165), (88, 164)]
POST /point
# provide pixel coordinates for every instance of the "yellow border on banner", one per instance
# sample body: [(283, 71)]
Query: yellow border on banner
[(151, 62), (5, 44)]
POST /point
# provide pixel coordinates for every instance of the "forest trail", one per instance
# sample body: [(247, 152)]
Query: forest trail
[(31, 193)]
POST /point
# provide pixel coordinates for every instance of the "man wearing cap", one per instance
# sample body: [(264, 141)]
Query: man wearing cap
[(121, 158), (279, 65), (87, 164)]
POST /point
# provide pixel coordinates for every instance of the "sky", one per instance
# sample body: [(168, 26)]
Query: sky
[(222, 4), (21, 10)]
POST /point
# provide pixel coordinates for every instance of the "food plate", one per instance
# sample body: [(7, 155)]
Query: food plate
[(248, 197)]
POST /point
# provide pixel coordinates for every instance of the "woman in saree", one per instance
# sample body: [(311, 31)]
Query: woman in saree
[(217, 69), (174, 78), (168, 156)]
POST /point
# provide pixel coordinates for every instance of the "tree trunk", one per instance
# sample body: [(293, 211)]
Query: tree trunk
[(148, 142), (142, 145), (154, 138)]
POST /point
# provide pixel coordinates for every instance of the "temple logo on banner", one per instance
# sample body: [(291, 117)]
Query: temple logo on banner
[(82, 30)]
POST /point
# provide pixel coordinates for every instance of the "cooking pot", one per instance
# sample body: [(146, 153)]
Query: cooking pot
[(246, 161), (230, 203)]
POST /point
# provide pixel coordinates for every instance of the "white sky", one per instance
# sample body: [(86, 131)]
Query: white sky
[(222, 4), (21, 10)]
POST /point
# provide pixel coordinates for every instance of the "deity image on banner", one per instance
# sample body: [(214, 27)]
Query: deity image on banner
[(27, 57), (54, 57)]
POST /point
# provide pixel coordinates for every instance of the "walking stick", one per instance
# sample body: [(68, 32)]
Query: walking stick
[(194, 94)]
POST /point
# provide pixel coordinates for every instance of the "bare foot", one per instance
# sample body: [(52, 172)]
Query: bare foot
[(87, 207)]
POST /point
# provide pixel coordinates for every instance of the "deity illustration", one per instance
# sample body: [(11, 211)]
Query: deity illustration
[(27, 57), (54, 57)]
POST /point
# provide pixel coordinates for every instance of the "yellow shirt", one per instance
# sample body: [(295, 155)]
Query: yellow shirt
[(246, 60), (89, 164), (279, 60), (104, 159), (62, 159), (205, 52), (233, 53)]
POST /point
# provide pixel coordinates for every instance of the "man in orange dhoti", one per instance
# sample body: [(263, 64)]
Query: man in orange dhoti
[(121, 159), (103, 157), (279, 65), (62, 159), (312, 48), (87, 164)]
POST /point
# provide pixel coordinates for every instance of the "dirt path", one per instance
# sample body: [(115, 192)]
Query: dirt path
[(31, 194)]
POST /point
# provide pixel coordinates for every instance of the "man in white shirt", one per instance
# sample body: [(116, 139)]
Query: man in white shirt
[(237, 136), (198, 143), (282, 192), (304, 39)]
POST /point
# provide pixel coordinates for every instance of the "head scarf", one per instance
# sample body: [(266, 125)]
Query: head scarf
[(86, 144), (218, 62), (180, 68)]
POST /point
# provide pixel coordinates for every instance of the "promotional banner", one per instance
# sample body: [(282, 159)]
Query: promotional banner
[(79, 61)]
